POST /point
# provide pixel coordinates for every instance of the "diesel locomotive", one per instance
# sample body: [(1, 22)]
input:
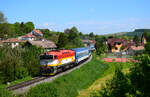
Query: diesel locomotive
[(55, 61)]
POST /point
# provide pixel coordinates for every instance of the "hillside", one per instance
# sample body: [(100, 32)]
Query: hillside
[(138, 32)]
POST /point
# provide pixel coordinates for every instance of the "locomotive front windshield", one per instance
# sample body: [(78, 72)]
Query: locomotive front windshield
[(46, 57)]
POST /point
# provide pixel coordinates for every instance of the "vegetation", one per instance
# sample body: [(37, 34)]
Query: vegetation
[(133, 84), (2, 18), (62, 41), (69, 84), (18, 63), (100, 45), (136, 40)]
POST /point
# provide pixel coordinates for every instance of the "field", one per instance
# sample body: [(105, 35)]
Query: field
[(108, 74), (70, 84)]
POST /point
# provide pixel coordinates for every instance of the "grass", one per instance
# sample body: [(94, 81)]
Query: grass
[(70, 84), (108, 74), (6, 93)]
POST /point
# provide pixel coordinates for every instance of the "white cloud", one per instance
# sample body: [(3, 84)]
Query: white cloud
[(101, 26)]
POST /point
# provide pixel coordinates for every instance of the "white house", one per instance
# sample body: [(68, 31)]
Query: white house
[(13, 42), (37, 33), (28, 37)]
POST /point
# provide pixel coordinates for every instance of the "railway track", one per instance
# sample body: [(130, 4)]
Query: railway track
[(24, 86), (26, 83)]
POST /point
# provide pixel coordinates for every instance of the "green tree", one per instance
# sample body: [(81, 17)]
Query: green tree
[(62, 41), (140, 77), (3, 19), (147, 48), (28, 27), (74, 38), (10, 63), (91, 35), (100, 45), (146, 35), (118, 86), (5, 30), (31, 59), (136, 39)]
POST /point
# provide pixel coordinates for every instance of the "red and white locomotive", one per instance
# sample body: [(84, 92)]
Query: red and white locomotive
[(54, 61)]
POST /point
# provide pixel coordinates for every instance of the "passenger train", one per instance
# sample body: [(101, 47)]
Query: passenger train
[(55, 61)]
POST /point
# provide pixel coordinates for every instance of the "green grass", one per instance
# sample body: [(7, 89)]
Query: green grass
[(113, 65), (70, 84), (6, 93)]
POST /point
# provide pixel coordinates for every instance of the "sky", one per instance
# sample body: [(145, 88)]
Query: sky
[(98, 16)]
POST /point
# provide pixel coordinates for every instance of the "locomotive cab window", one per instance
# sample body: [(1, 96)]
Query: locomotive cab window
[(46, 57)]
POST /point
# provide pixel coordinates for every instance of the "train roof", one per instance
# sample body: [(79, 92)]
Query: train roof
[(79, 49), (60, 52)]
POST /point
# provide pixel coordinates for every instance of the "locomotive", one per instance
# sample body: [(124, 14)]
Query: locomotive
[(56, 61)]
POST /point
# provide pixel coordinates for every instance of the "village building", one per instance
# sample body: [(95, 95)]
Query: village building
[(122, 45), (28, 37), (47, 45), (37, 33), (13, 42), (88, 42), (116, 44)]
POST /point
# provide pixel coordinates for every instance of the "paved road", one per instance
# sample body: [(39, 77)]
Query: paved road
[(25, 89)]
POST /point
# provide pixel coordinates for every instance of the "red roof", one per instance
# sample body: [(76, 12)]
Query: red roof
[(112, 41), (37, 31), (61, 53), (137, 48), (119, 60), (29, 36), (13, 40)]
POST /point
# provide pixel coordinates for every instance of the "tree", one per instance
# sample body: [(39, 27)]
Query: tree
[(146, 35), (22, 26), (140, 77), (100, 45), (118, 86), (31, 59), (91, 35), (10, 64), (147, 48), (62, 41), (28, 27), (3, 19), (5, 30), (74, 38), (136, 39)]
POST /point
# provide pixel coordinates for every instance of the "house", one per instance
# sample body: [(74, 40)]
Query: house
[(47, 45), (143, 39), (13, 42), (28, 37), (37, 33), (116, 44), (1, 42), (88, 42)]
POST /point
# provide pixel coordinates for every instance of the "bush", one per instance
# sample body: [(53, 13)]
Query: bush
[(21, 72), (5, 93)]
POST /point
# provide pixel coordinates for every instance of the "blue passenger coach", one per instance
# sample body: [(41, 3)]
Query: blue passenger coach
[(81, 54)]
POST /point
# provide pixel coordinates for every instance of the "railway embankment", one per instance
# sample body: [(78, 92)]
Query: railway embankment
[(70, 84)]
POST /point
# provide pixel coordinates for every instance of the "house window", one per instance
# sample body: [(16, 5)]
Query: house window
[(119, 43)]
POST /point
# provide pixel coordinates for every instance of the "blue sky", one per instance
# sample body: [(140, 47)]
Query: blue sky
[(98, 16)]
